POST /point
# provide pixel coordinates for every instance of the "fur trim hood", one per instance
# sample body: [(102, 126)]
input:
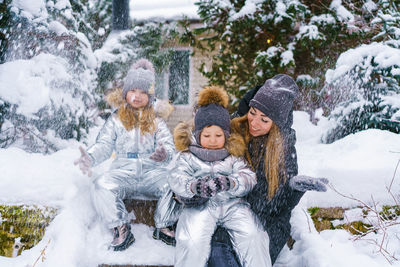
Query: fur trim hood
[(183, 138), (162, 108)]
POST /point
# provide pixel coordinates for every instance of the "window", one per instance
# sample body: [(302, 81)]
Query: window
[(174, 82)]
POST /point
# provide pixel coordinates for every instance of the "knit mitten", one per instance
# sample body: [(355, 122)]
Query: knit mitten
[(305, 183), (221, 183), (201, 188)]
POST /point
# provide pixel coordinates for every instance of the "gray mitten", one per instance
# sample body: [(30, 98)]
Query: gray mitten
[(305, 183), (201, 188), (221, 183)]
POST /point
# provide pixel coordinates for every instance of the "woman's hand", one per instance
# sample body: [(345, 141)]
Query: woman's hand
[(84, 162), (305, 183)]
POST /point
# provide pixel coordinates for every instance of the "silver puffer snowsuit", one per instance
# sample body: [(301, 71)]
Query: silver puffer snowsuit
[(132, 174), (196, 225)]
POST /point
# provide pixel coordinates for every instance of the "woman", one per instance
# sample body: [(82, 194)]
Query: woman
[(270, 141)]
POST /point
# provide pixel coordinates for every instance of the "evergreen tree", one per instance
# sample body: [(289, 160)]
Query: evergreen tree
[(365, 86), (50, 38), (57, 45), (97, 23), (250, 41)]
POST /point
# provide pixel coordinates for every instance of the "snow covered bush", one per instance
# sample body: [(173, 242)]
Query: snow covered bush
[(58, 59), (363, 90), (48, 76)]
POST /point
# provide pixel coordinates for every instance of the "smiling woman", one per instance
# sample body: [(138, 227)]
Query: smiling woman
[(270, 140), (259, 123)]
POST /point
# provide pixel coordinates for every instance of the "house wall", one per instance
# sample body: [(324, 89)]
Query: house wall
[(196, 82)]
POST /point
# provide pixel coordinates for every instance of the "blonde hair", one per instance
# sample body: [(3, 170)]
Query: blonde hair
[(274, 164), (133, 118)]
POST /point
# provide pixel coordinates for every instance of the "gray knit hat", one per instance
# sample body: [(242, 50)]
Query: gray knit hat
[(275, 99), (140, 76), (212, 110)]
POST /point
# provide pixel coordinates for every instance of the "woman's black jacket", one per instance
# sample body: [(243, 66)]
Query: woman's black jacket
[(274, 214)]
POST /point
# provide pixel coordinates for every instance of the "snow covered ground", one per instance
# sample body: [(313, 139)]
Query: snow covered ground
[(361, 165)]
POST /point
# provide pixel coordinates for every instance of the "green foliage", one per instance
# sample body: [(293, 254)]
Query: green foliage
[(355, 228), (387, 21), (324, 218), (28, 223), (365, 96), (390, 212), (313, 210), (97, 22), (293, 37)]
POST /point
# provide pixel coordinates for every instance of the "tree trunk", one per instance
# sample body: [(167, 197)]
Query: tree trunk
[(120, 12)]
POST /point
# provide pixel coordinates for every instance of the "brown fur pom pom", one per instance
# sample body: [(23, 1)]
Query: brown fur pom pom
[(213, 95)]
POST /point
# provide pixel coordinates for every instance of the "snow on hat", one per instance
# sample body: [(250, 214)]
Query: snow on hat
[(140, 76), (212, 102), (275, 98)]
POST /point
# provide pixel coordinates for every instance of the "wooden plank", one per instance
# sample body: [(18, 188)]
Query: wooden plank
[(144, 210)]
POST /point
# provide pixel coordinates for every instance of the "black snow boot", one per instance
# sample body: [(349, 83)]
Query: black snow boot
[(123, 237), (167, 239)]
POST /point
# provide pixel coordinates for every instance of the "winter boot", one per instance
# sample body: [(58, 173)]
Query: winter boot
[(123, 237), (168, 239)]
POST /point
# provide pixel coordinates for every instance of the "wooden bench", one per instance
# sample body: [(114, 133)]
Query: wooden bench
[(143, 209)]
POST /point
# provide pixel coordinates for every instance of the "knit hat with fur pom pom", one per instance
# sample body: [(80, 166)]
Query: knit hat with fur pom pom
[(212, 102), (140, 76)]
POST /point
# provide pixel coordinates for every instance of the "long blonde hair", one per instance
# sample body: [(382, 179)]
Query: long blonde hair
[(132, 118), (274, 164)]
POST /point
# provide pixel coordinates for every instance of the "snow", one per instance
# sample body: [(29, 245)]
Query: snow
[(309, 31), (384, 56), (343, 14), (32, 8), (360, 165), (58, 28), (248, 9), (39, 73)]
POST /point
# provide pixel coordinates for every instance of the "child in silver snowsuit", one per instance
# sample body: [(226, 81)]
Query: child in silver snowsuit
[(210, 171), (143, 146)]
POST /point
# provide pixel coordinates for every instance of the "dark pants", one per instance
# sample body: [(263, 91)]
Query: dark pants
[(222, 253)]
